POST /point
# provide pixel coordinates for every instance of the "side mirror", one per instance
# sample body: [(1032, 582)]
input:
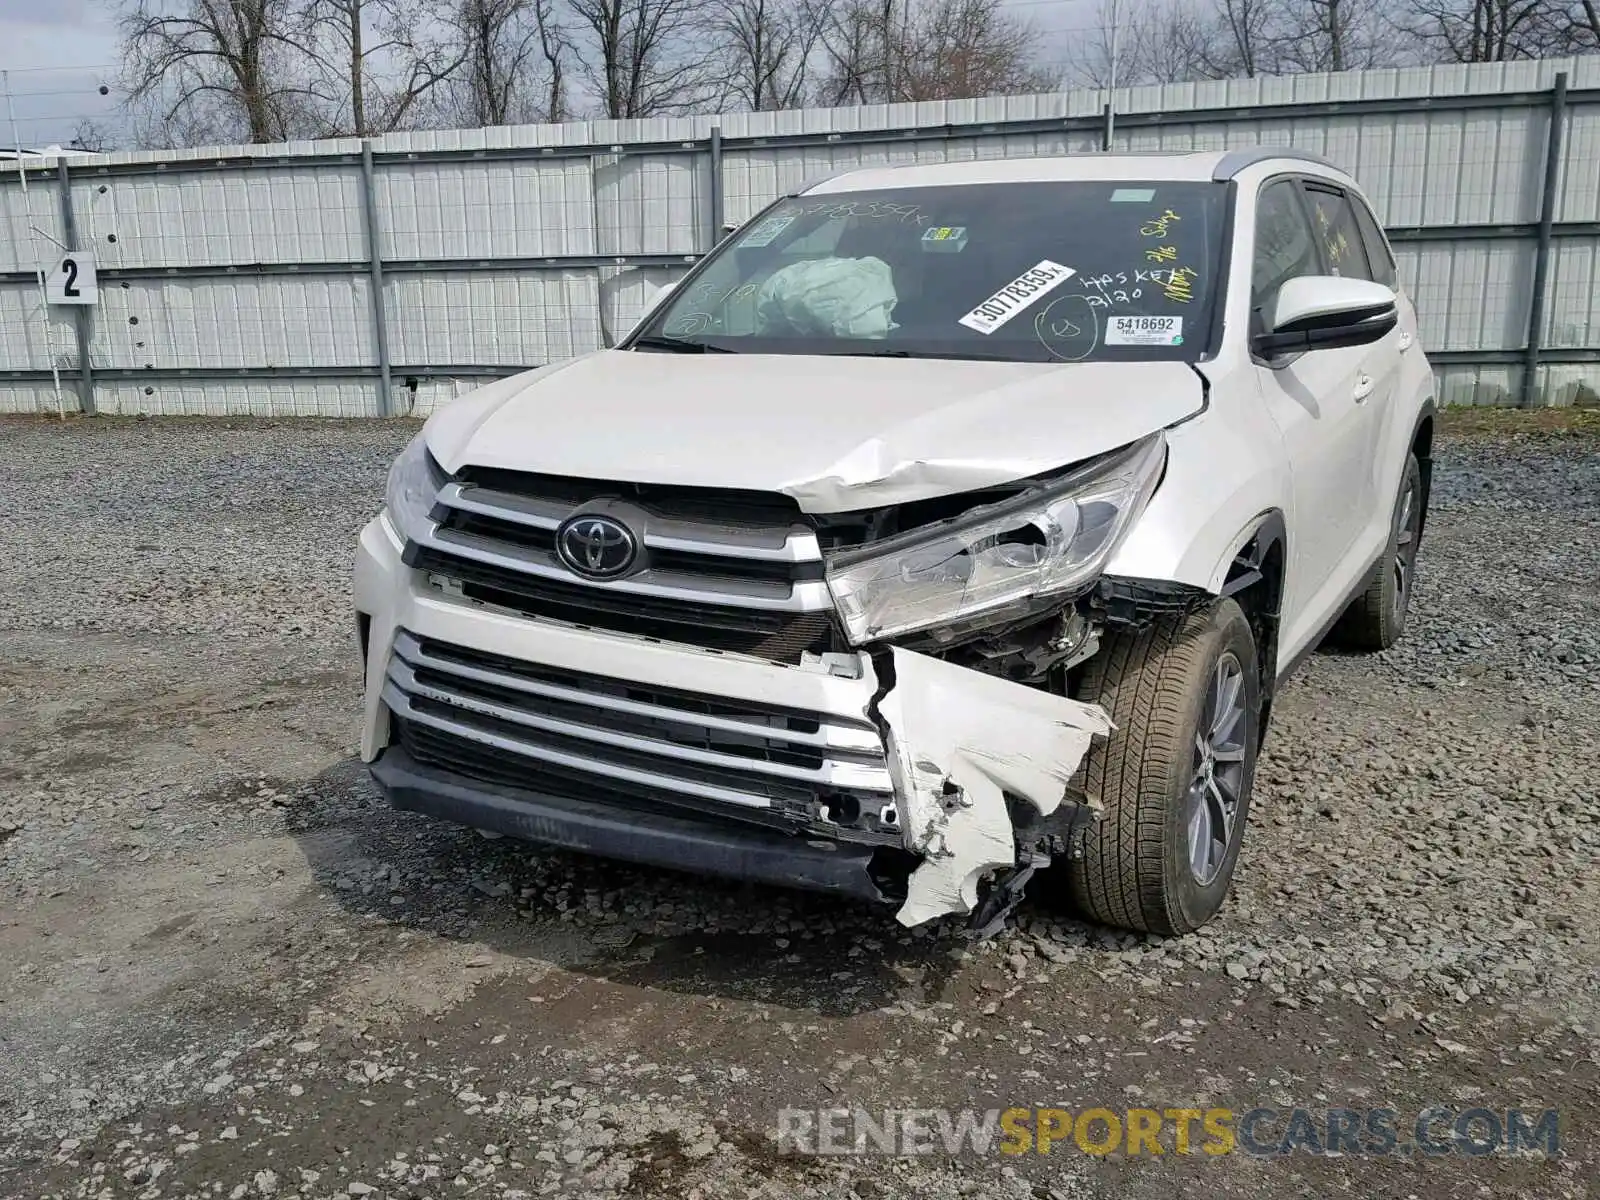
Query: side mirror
[(1321, 312), (662, 291)]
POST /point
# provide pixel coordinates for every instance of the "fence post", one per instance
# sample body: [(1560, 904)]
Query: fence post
[(716, 187), (80, 314), (1541, 258), (380, 325)]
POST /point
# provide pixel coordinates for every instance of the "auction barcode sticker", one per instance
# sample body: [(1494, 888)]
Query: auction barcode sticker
[(1016, 296), (1144, 331)]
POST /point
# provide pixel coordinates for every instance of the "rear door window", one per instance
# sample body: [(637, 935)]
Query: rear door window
[(1343, 247), (1379, 256)]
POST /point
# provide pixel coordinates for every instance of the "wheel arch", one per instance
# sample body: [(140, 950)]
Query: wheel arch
[(1421, 445), (1253, 577)]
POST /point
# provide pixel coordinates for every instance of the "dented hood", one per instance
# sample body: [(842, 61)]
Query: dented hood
[(836, 433)]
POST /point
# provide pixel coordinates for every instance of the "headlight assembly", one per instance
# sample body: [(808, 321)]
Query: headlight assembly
[(414, 481), (1000, 560)]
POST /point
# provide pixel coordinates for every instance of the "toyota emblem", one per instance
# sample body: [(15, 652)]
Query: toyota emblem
[(597, 547)]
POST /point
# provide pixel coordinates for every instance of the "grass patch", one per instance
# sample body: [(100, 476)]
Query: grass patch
[(1486, 422)]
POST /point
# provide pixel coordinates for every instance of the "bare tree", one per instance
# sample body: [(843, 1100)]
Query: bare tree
[(378, 60), (215, 69), (1334, 35), (1578, 26), (767, 47), (513, 63), (1245, 45), (645, 58), (93, 135), (1489, 30), (1174, 41), (853, 43), (1160, 41), (961, 48), (891, 50)]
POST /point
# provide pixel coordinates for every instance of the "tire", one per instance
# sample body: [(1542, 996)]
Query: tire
[(1376, 619), (1137, 871)]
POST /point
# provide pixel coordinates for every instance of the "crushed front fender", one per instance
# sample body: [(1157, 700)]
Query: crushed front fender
[(960, 742)]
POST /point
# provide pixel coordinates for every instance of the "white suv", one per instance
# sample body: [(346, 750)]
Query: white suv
[(945, 523)]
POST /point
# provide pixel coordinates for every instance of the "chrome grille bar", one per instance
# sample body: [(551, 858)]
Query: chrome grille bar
[(797, 544), (572, 720), (807, 595), (401, 705), (829, 735), (856, 776)]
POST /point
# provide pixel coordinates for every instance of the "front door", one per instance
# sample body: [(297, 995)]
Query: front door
[(1321, 403)]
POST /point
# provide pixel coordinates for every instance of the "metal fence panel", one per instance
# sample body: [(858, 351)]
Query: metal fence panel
[(257, 279), (32, 224), (486, 209), (26, 343), (252, 321), (1469, 295), (492, 318), (303, 214)]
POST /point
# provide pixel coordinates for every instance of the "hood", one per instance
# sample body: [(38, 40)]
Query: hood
[(834, 433)]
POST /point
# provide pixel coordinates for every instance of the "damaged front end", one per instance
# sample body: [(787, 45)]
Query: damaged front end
[(965, 749), (972, 623), (907, 734)]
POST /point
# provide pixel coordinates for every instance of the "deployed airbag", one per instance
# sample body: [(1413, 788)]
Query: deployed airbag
[(829, 297)]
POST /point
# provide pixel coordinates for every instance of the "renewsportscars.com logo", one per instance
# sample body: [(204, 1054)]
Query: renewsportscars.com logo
[(1261, 1132)]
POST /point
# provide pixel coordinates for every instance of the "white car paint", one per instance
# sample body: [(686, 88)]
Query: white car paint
[(835, 433), (1317, 442)]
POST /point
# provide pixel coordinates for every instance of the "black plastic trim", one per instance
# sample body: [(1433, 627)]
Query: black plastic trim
[(1311, 646), (728, 850), (1129, 603)]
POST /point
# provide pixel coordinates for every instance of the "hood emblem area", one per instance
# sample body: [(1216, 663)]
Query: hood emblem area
[(596, 546)]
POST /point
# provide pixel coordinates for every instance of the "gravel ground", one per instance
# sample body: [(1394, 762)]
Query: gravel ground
[(226, 969)]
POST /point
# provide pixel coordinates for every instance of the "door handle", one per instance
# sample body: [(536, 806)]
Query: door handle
[(1405, 341), (1363, 388)]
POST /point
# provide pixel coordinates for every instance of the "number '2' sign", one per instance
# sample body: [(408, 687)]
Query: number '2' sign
[(72, 280)]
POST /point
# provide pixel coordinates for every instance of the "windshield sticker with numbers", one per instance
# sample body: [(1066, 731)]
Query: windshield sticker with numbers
[(1016, 296), (944, 239), (767, 232), (1144, 331)]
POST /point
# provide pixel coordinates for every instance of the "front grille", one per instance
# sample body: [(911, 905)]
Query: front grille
[(578, 735), (732, 571), (776, 636)]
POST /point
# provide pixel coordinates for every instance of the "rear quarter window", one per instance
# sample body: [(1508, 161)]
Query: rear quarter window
[(1379, 256)]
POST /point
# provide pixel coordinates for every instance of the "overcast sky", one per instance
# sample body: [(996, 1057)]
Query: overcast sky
[(59, 52)]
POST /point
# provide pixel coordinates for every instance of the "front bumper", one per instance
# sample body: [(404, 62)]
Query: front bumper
[(914, 755), (661, 839)]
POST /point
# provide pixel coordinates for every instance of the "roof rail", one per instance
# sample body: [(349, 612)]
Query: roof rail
[(815, 181), (1234, 161)]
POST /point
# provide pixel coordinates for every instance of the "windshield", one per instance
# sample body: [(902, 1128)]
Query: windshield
[(1025, 272)]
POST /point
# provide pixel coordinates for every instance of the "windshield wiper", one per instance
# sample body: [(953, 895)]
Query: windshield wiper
[(947, 354), (679, 345)]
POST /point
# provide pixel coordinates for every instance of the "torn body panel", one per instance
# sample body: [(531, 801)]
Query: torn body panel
[(961, 742)]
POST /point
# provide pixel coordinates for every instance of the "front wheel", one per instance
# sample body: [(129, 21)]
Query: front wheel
[(1175, 776)]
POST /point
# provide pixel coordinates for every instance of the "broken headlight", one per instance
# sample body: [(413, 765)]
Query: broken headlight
[(999, 560), (414, 482)]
